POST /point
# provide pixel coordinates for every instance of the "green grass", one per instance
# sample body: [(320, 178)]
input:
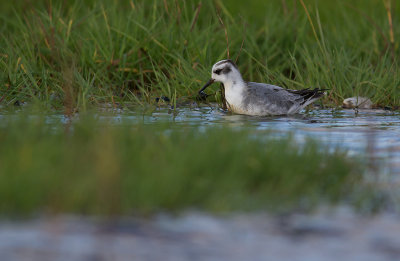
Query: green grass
[(78, 54), (93, 167), (74, 55)]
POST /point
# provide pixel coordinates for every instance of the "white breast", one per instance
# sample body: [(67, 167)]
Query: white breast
[(234, 96)]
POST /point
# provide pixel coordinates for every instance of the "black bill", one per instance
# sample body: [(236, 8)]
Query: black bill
[(211, 81), (202, 94)]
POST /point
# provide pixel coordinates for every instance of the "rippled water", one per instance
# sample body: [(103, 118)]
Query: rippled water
[(371, 133)]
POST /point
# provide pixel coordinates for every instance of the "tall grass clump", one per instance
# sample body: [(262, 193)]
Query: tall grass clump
[(77, 54), (93, 167)]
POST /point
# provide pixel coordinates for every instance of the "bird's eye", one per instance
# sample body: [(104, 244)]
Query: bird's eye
[(218, 71)]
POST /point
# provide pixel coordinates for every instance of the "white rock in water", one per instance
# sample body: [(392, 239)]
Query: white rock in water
[(359, 102)]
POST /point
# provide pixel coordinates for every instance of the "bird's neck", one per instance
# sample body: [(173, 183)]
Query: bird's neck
[(234, 88), (234, 83)]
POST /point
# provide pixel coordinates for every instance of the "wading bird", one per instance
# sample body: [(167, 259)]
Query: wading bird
[(253, 98)]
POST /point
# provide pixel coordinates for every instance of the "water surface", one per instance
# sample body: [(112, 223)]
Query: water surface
[(374, 134), (371, 133)]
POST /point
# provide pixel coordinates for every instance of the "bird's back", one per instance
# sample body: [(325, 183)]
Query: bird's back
[(263, 99)]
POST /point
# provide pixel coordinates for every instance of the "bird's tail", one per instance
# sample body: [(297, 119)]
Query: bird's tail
[(309, 96)]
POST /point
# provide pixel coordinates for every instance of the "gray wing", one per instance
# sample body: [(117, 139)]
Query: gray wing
[(273, 98)]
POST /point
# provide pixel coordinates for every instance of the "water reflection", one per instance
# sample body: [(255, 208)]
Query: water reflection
[(375, 133)]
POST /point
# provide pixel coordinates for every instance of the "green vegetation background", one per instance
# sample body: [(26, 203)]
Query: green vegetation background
[(82, 53)]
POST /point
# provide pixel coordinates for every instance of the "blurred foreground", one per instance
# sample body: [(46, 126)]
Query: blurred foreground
[(125, 186), (89, 166), (326, 235)]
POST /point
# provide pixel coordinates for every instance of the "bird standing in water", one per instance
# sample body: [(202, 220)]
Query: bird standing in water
[(258, 99)]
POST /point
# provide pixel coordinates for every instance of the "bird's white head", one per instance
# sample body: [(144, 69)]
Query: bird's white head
[(224, 71)]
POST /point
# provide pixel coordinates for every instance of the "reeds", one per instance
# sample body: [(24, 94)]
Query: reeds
[(124, 52)]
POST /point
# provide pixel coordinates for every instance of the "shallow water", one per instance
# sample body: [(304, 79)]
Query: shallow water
[(373, 134), (324, 235)]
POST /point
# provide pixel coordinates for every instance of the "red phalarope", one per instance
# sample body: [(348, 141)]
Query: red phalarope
[(260, 99)]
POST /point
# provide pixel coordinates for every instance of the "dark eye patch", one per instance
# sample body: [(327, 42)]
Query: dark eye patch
[(218, 71), (225, 70)]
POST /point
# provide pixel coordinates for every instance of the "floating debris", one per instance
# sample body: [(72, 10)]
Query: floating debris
[(357, 102), (164, 98)]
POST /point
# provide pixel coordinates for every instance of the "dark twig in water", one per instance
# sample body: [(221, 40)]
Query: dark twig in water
[(223, 100), (164, 98)]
